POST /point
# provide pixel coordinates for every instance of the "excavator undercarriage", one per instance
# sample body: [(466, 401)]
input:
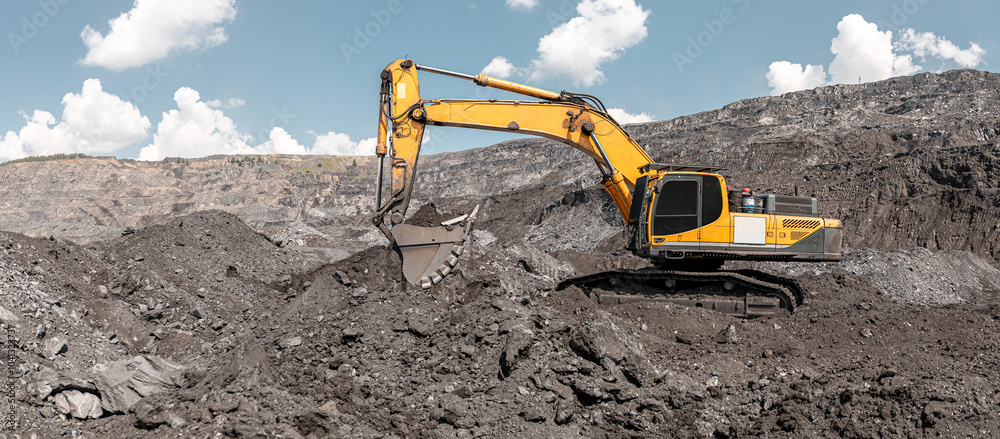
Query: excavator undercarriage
[(745, 293)]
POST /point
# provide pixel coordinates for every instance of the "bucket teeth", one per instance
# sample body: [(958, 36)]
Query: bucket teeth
[(438, 275)]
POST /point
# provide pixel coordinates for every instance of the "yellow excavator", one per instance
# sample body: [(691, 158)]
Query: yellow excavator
[(681, 217)]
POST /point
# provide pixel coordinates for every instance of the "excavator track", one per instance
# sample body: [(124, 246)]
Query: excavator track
[(745, 293)]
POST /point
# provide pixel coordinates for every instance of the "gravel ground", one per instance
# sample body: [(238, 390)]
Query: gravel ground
[(249, 339)]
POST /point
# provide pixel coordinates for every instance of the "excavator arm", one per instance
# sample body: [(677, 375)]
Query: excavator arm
[(577, 120)]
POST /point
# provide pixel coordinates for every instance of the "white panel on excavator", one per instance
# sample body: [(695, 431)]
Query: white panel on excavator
[(749, 229)]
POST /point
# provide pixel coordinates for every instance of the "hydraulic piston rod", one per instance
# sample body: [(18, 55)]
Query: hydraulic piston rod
[(502, 84)]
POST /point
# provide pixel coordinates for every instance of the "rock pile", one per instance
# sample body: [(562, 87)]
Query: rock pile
[(349, 349)]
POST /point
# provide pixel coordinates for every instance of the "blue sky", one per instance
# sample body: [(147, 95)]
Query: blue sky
[(196, 77)]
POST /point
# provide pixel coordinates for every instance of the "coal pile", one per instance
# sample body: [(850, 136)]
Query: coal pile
[(203, 327)]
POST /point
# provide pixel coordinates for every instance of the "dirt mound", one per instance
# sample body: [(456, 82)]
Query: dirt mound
[(922, 277), (349, 349), (429, 216)]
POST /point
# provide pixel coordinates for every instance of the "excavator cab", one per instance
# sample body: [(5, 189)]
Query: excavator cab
[(674, 204)]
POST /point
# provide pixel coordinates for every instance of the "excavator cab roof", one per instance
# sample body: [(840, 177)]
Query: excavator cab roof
[(673, 167)]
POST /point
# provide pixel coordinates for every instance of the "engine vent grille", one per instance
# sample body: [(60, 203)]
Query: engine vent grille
[(799, 224), (797, 235), (815, 239)]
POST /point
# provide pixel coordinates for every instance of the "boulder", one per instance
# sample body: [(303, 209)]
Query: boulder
[(420, 324), (54, 346), (8, 317), (79, 404), (51, 381), (452, 409), (516, 348), (604, 336), (727, 335), (606, 339), (290, 342), (123, 383)]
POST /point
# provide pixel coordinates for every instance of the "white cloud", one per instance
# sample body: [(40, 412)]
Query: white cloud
[(522, 4), (601, 33), (623, 117), (499, 67), (194, 129), (42, 135), (93, 122), (862, 51), (333, 143), (926, 44), (227, 104), (153, 29), (784, 77), (11, 147), (280, 142)]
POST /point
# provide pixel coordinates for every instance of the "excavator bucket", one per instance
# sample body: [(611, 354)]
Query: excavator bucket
[(431, 253)]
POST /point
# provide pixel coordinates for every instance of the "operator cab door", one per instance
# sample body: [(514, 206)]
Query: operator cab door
[(683, 204), (677, 212)]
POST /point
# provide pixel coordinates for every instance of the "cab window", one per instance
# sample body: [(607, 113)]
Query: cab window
[(711, 202), (676, 207)]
